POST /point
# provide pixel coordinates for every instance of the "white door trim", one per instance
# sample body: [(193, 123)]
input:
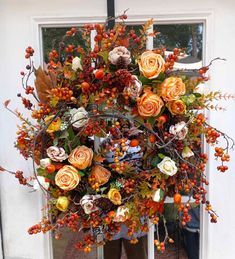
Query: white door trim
[(206, 17)]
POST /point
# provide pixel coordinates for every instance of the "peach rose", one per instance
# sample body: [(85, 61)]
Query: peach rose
[(172, 88), (100, 174), (115, 196), (81, 157), (151, 64), (67, 178), (176, 107), (149, 104)]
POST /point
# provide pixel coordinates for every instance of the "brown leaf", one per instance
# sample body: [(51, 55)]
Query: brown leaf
[(44, 83), (6, 103), (2, 169)]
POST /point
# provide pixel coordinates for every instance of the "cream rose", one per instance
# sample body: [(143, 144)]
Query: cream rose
[(56, 154), (67, 178), (45, 162), (180, 130), (76, 64), (81, 157), (87, 203), (172, 88), (151, 64), (135, 88), (78, 117), (149, 104), (118, 53), (167, 166)]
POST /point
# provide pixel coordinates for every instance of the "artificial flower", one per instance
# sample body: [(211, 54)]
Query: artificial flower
[(62, 203), (40, 182), (179, 130), (122, 214), (87, 203), (167, 166), (76, 64), (78, 117), (157, 195), (81, 157), (176, 107), (151, 64), (120, 54), (115, 196), (172, 88), (56, 154), (100, 174), (187, 152), (45, 162), (54, 123), (67, 178), (149, 104), (135, 88)]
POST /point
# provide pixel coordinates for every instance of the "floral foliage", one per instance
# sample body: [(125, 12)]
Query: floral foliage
[(114, 131)]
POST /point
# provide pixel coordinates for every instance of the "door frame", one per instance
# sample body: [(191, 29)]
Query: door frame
[(206, 17)]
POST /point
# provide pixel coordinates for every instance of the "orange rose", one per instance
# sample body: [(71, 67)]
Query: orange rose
[(176, 107), (100, 174), (81, 157), (151, 64), (149, 104), (67, 178), (172, 88)]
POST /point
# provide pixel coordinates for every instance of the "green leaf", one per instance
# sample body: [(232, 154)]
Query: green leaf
[(197, 95), (151, 120), (104, 54), (82, 173), (160, 155), (64, 134), (155, 161), (41, 171), (51, 176), (55, 142), (144, 80)]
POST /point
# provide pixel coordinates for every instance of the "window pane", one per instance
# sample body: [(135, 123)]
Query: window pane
[(186, 36)]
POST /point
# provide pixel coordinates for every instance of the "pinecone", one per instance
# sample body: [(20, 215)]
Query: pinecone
[(81, 188), (123, 78), (104, 204), (121, 63)]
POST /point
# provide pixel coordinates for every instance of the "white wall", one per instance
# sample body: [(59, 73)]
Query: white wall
[(20, 210)]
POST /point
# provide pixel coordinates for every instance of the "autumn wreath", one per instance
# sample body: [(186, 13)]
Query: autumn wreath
[(115, 129)]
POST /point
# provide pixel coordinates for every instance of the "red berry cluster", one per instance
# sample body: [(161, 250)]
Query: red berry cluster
[(69, 220), (29, 90), (43, 226), (71, 32), (29, 52), (43, 111), (184, 208), (62, 93), (129, 185), (20, 177), (86, 244), (172, 58)]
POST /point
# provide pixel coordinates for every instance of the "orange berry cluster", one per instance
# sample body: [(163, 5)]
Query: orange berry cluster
[(69, 220), (211, 135), (29, 52), (184, 208), (62, 93), (93, 183), (224, 157), (29, 90), (86, 245), (43, 111), (43, 226), (53, 54), (172, 58), (71, 32), (160, 245)]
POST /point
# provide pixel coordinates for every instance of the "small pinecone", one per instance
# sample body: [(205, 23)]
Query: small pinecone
[(121, 63), (104, 204), (124, 77)]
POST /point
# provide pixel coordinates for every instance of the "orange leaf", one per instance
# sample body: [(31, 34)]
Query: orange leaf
[(99, 159)]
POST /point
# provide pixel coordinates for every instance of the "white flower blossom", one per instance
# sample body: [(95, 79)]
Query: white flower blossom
[(167, 166), (79, 117), (56, 154), (42, 181), (180, 130), (118, 53), (76, 64)]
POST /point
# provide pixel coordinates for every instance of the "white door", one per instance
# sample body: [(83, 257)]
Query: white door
[(20, 26)]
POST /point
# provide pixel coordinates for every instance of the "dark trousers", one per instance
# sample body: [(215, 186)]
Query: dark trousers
[(113, 249), (191, 241)]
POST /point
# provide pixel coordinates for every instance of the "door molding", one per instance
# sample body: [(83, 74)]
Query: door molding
[(203, 16)]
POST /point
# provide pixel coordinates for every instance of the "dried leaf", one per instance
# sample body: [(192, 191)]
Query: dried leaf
[(99, 159), (2, 169), (6, 103), (44, 83)]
